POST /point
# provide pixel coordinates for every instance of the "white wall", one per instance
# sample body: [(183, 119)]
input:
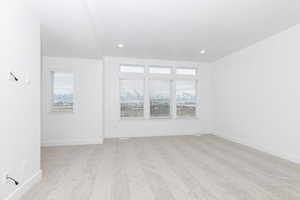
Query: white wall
[(257, 95), (84, 125), (115, 127), (19, 101)]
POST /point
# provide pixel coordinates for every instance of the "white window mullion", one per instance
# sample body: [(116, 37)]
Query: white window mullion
[(173, 93), (173, 99), (146, 98), (197, 82), (197, 98)]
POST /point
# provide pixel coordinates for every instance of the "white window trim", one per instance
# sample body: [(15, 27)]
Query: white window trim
[(146, 76)]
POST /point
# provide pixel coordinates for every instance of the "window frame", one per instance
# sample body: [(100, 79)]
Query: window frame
[(172, 77), (50, 95), (196, 96), (171, 98), (131, 78)]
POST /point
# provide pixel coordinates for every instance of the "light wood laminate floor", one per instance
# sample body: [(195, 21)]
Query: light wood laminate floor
[(165, 168)]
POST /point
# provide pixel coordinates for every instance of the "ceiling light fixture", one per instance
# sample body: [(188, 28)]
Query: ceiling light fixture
[(120, 45), (203, 51)]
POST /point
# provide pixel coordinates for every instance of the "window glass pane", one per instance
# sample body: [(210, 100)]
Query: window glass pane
[(159, 91), (63, 86), (186, 98), (132, 68), (185, 71), (132, 98), (159, 70)]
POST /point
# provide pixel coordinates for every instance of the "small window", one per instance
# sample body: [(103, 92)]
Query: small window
[(186, 98), (160, 98), (159, 70), (132, 68), (62, 94), (132, 98), (186, 71)]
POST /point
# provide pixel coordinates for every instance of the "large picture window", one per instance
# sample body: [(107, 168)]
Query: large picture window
[(160, 98), (132, 98), (156, 91)]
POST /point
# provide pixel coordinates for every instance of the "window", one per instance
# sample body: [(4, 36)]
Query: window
[(62, 94), (186, 98), (132, 68), (186, 71), (132, 98), (159, 70), (159, 92)]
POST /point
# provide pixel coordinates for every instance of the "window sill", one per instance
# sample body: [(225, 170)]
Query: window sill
[(61, 112), (187, 118), (159, 119), (131, 118)]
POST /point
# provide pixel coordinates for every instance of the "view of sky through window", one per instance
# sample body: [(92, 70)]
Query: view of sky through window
[(132, 68)]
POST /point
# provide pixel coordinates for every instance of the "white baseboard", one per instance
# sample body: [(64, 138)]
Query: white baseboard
[(164, 134), (292, 158), (70, 142), (25, 187)]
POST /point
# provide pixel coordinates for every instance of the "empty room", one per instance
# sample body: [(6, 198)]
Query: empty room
[(150, 100)]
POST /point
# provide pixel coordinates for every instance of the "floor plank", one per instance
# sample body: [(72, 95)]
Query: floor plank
[(165, 168)]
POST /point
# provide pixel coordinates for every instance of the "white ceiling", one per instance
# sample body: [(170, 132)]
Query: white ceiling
[(162, 29)]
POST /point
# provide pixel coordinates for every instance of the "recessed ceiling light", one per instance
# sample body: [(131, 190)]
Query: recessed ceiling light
[(203, 51), (120, 45)]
